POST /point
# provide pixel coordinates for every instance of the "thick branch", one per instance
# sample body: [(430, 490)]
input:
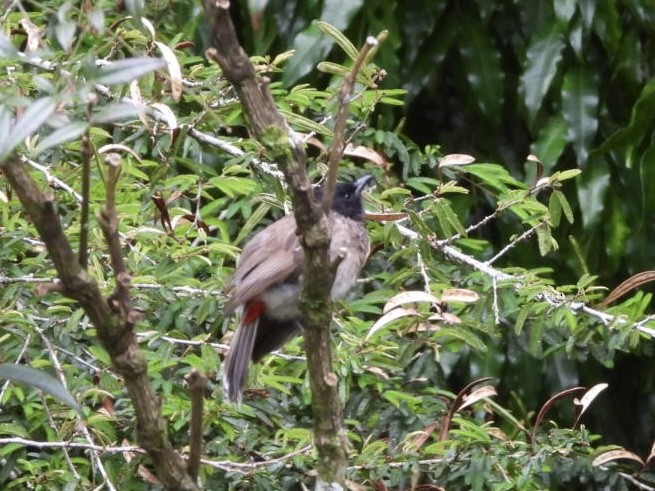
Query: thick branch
[(270, 128), (113, 331)]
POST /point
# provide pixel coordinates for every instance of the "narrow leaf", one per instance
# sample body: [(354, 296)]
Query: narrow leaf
[(40, 380), (586, 400), (455, 159), (62, 135), (339, 38), (635, 281), (415, 296), (460, 295), (174, 70), (390, 317), (116, 112), (477, 395), (31, 120), (611, 455), (124, 71), (549, 404)]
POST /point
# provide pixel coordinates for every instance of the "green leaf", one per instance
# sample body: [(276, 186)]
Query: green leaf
[(580, 105), (339, 38), (542, 58), (30, 121), (311, 45), (592, 187), (554, 209), (126, 70), (305, 124), (564, 9), (62, 135), (483, 71), (41, 380), (332, 68), (396, 398), (551, 142), (494, 175), (564, 204), (116, 112), (447, 218), (461, 334), (7, 49), (640, 125)]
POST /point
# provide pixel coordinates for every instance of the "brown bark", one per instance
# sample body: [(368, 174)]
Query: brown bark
[(270, 128), (112, 319)]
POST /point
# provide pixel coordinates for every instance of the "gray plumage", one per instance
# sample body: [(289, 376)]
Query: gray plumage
[(267, 281)]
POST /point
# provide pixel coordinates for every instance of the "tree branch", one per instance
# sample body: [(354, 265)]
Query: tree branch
[(339, 140), (114, 331), (197, 385), (284, 146)]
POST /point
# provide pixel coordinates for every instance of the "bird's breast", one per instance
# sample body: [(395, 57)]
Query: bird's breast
[(282, 301)]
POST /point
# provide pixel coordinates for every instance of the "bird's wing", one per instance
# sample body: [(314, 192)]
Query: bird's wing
[(350, 247), (271, 256)]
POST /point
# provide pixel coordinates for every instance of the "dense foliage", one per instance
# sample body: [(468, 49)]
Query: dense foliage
[(455, 289)]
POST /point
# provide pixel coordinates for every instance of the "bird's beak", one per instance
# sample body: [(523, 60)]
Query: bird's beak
[(363, 182)]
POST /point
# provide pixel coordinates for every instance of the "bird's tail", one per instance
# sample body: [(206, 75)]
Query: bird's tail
[(235, 367)]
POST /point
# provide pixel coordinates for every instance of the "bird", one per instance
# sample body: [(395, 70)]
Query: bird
[(266, 284)]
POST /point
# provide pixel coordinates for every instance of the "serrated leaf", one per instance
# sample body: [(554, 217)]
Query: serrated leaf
[(124, 71), (40, 380)]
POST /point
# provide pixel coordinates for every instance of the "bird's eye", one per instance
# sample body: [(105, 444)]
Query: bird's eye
[(347, 195)]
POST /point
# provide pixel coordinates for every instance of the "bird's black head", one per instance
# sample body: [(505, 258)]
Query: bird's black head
[(348, 197)]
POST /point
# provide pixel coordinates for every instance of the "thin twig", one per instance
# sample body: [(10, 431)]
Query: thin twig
[(59, 371), (86, 154), (527, 233), (339, 140), (266, 167), (28, 338), (52, 180)]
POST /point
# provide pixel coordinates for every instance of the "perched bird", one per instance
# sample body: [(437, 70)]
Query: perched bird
[(267, 281)]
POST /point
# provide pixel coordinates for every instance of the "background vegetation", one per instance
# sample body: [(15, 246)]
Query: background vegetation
[(505, 257)]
